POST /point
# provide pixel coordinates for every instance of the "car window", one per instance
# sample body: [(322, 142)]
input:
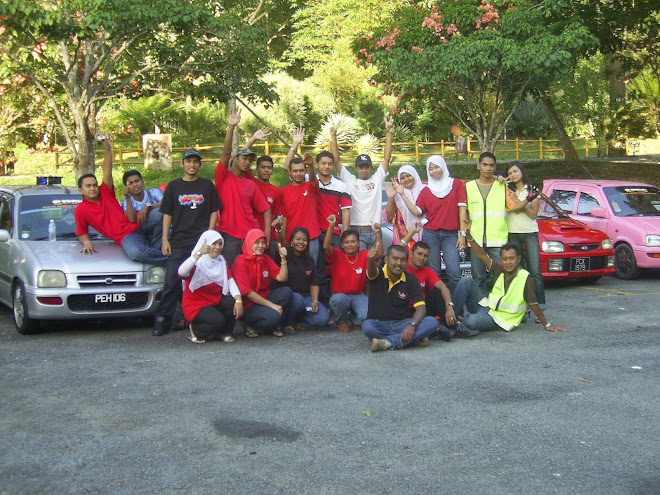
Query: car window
[(35, 213), (5, 213), (628, 201), (586, 204), (564, 199)]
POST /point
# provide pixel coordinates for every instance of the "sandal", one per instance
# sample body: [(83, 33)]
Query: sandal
[(344, 327), (226, 338), (300, 326), (289, 330), (277, 333), (250, 333), (192, 337)]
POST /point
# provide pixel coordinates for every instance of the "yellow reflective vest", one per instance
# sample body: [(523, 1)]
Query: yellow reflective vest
[(488, 216), (507, 308)]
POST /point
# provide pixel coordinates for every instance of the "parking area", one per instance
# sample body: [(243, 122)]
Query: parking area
[(107, 408)]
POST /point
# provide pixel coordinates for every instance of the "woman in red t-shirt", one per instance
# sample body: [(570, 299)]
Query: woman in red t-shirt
[(348, 268), (444, 202), (264, 308), (208, 285)]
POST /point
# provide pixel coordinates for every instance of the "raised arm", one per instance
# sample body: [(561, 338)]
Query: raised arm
[(391, 205), (311, 171), (283, 276), (298, 138), (232, 121), (259, 135), (416, 229), (107, 162), (389, 128), (327, 241), (334, 147), (414, 209)]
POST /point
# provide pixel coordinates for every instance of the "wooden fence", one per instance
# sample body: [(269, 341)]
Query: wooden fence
[(131, 151)]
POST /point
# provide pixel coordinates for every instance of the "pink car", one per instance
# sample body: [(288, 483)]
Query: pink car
[(628, 212)]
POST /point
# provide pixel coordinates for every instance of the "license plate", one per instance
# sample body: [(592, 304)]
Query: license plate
[(109, 298), (580, 264)]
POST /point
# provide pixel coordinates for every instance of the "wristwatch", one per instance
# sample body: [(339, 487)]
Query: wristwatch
[(450, 304), (413, 324), (462, 233)]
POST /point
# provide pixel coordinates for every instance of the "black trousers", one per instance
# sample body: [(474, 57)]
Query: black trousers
[(172, 290), (214, 320)]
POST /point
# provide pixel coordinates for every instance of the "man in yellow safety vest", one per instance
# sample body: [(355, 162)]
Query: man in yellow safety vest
[(504, 307)]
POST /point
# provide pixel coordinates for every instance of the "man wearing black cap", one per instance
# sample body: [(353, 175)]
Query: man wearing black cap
[(241, 196), (366, 189), (189, 206)]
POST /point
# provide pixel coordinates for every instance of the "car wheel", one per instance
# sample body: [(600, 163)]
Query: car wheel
[(590, 280), (625, 262), (24, 324)]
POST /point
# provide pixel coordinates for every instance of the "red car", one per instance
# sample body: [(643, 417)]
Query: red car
[(571, 249)]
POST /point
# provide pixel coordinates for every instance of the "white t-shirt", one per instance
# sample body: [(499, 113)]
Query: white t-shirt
[(366, 195)]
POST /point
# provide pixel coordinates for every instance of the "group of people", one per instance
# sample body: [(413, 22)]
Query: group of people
[(311, 253)]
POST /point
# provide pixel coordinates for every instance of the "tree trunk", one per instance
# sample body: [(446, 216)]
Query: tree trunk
[(570, 154), (85, 161), (616, 144)]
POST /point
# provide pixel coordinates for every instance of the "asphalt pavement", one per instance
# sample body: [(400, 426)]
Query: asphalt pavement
[(105, 408)]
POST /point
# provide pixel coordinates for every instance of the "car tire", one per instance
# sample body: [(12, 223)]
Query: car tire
[(24, 324), (625, 262)]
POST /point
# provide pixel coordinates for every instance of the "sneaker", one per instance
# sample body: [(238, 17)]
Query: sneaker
[(443, 333), (380, 345), (464, 332), (161, 326), (422, 342)]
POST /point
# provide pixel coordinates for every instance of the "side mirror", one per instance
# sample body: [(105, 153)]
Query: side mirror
[(598, 213), (4, 235)]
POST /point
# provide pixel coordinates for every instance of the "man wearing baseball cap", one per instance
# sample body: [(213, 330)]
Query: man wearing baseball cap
[(241, 196)]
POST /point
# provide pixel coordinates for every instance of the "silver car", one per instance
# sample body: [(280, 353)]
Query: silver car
[(42, 279)]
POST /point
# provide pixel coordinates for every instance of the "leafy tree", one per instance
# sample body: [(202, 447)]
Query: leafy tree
[(88, 51), (477, 60), (529, 119)]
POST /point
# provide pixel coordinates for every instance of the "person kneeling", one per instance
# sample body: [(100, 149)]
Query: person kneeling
[(207, 280), (390, 322)]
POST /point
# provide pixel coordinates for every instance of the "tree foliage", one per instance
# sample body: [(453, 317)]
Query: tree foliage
[(88, 51), (477, 60)]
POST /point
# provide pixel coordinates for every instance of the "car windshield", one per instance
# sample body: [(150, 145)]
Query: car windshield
[(35, 213), (548, 210), (634, 201)]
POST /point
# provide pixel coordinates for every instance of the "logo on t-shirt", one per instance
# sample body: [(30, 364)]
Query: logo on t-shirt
[(308, 272), (269, 199), (192, 200), (358, 271), (402, 295), (423, 284), (305, 192), (265, 273)]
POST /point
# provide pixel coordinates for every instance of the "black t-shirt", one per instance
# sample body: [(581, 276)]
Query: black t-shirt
[(396, 303), (303, 273), (190, 204)]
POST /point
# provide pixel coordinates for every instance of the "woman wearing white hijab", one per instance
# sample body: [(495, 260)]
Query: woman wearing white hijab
[(444, 202), (207, 280), (396, 211)]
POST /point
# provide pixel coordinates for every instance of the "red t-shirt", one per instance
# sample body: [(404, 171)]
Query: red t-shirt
[(192, 302), (106, 216), (241, 198), (426, 276), (333, 198), (348, 277), (300, 206), (273, 195), (442, 213), (245, 278)]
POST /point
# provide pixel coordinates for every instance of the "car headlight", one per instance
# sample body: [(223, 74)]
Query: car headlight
[(607, 243), (553, 247), (51, 278), (156, 275), (652, 240)]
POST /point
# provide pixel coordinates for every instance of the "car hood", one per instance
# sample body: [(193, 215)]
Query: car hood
[(66, 256), (569, 230)]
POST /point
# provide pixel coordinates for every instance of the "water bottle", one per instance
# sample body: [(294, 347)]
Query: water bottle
[(52, 230)]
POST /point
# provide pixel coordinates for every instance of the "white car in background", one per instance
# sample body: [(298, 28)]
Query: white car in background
[(42, 279)]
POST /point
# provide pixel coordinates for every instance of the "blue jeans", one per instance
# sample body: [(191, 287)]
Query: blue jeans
[(531, 260), (262, 317), (358, 304), (299, 303), (479, 272), (145, 243), (467, 295), (444, 242), (367, 238), (393, 330), (314, 248)]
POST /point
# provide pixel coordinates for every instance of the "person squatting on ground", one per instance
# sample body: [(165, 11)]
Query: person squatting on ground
[(397, 311), (265, 309), (211, 299), (190, 206), (505, 305), (348, 267), (99, 209)]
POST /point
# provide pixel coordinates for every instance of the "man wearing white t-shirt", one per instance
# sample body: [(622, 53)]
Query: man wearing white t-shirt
[(366, 189)]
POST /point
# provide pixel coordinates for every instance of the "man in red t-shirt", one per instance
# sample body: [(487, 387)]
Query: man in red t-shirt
[(273, 195), (300, 198), (100, 210), (239, 194), (436, 294)]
